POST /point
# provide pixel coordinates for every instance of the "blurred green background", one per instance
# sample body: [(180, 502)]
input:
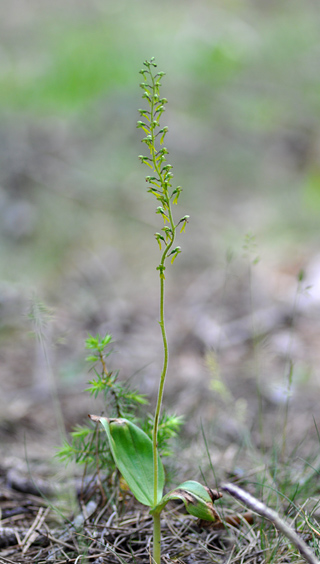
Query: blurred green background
[(243, 85)]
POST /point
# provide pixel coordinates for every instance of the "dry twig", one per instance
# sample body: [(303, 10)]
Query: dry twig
[(259, 507)]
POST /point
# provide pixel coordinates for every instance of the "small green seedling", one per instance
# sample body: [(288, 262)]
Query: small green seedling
[(135, 454), (89, 446)]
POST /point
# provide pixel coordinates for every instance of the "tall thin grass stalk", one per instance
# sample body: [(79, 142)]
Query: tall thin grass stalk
[(289, 365), (40, 317)]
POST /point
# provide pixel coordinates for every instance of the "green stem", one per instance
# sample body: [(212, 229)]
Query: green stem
[(156, 539), (161, 185), (157, 168), (160, 391), (107, 376)]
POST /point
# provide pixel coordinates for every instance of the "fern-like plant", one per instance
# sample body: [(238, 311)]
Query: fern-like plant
[(88, 445)]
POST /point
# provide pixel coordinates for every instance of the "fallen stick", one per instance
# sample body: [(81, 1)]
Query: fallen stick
[(272, 516)]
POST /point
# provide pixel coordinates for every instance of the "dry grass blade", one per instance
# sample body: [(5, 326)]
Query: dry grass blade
[(271, 515), (4, 560), (32, 533)]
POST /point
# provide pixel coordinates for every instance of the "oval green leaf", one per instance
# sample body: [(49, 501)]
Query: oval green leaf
[(132, 452), (198, 500)]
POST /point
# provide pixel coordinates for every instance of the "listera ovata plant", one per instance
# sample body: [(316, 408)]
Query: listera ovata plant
[(135, 453)]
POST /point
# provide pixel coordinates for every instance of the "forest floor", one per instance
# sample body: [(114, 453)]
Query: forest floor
[(244, 373)]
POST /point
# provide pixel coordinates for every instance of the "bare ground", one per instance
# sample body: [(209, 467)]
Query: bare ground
[(237, 350)]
